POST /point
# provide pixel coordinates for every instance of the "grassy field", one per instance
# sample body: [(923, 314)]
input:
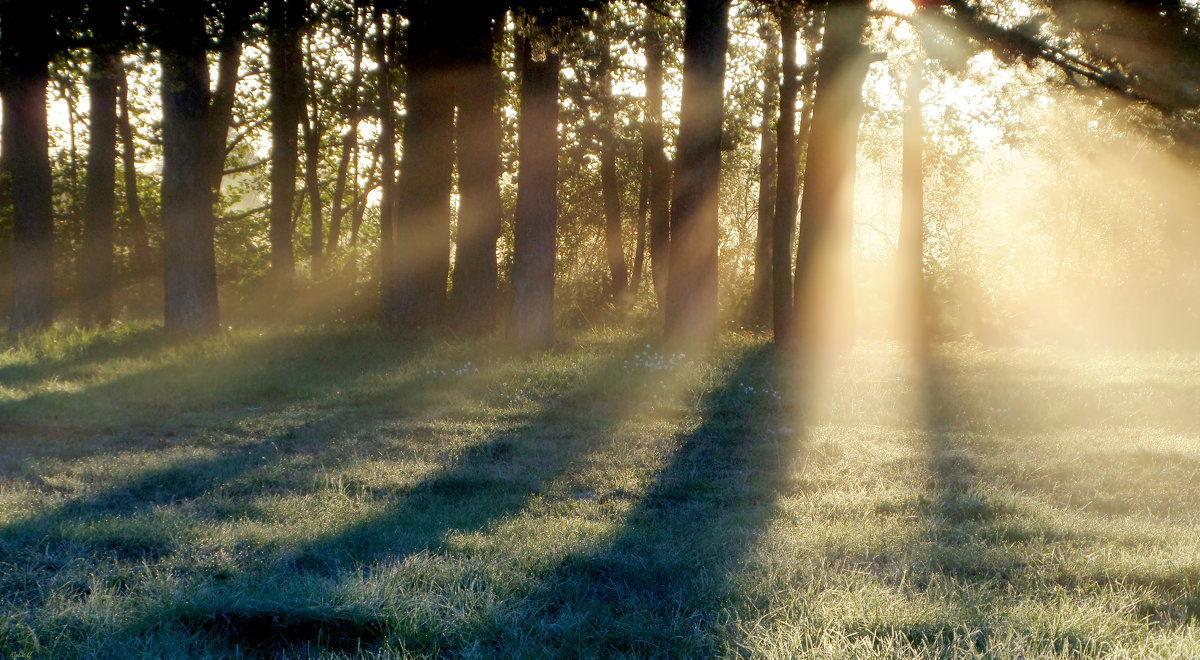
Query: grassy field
[(331, 492)]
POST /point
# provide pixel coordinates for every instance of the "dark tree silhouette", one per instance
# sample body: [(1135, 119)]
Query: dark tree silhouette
[(385, 53), (137, 237), (783, 225), (285, 22), (25, 55), (760, 295), (658, 169), (610, 185), (691, 310)]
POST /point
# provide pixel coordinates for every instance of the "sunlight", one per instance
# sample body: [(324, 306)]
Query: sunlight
[(901, 7)]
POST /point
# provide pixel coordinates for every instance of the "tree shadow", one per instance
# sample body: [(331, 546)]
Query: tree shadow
[(665, 575), (130, 342)]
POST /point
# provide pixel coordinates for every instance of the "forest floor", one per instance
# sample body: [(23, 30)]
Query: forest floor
[(274, 492)]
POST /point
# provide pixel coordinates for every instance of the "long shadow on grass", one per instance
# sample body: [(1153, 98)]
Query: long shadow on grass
[(106, 346), (662, 585)]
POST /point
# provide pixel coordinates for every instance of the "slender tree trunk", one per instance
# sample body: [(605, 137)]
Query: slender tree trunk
[(190, 286), (473, 298), (26, 145), (691, 312), (286, 73), (96, 260), (426, 173), (656, 158), (614, 247), (912, 212), (639, 246), (808, 84), (823, 294), (139, 239), (532, 321), (760, 297), (312, 184), (784, 222), (384, 54), (349, 141), (220, 110)]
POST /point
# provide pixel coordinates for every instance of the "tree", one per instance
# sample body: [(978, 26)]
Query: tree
[(423, 195), (610, 187), (822, 305), (691, 309), (385, 51), (760, 295), (531, 323), (784, 221), (911, 250), (473, 298), (286, 77), (658, 170), (25, 57), (138, 238)]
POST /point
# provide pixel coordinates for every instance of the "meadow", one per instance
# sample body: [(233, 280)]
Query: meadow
[(331, 492)]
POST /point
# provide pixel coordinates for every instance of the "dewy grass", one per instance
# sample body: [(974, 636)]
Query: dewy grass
[(333, 492)]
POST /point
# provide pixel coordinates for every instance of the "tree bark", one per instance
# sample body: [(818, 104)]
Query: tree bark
[(96, 259), (313, 133), (349, 141), (531, 323), (691, 311), (220, 110), (190, 282), (286, 74), (656, 159), (384, 55), (26, 58), (423, 196), (911, 248), (823, 304), (760, 297), (783, 224), (473, 298), (138, 237), (614, 247)]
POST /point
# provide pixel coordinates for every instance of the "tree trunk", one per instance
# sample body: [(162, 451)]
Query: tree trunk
[(808, 83), (473, 298), (912, 214), (349, 141), (384, 54), (26, 144), (691, 312), (286, 73), (783, 225), (96, 260), (656, 159), (138, 238), (639, 232), (220, 111), (614, 247), (312, 183), (823, 305), (190, 284), (532, 321), (426, 173), (760, 297)]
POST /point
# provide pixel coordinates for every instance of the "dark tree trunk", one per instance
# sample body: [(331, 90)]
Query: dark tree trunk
[(531, 323), (610, 186), (656, 159), (349, 141), (823, 304), (286, 73), (96, 260), (25, 57), (190, 284), (220, 111), (783, 226), (808, 84), (691, 312), (384, 55), (138, 238), (912, 212), (760, 297), (473, 299), (426, 173), (639, 232), (312, 184)]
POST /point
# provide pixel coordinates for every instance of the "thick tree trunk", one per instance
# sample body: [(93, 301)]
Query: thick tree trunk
[(286, 74), (473, 299), (138, 238), (190, 284), (760, 297), (614, 247), (531, 323), (691, 311), (823, 304), (912, 214), (96, 259), (783, 225), (656, 159), (349, 142), (26, 145), (384, 55), (423, 196)]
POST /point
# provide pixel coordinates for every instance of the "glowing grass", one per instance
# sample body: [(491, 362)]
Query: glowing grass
[(331, 492)]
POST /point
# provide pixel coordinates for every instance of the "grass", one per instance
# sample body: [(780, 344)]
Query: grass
[(331, 492)]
